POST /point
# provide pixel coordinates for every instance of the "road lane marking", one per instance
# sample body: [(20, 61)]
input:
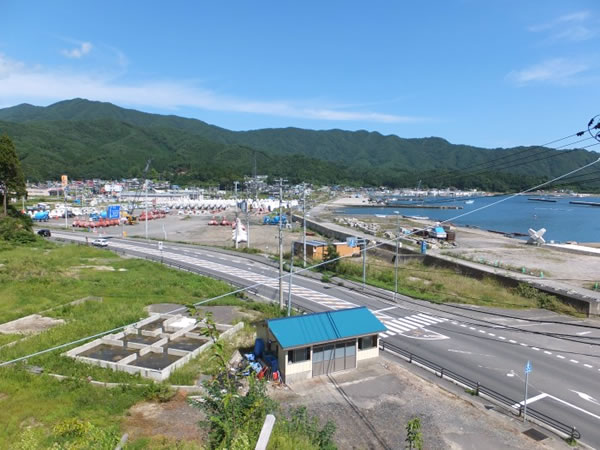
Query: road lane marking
[(574, 407), (585, 396), (512, 342), (589, 366), (560, 356), (502, 337), (574, 361), (384, 309), (459, 351), (535, 348), (547, 352), (581, 333), (531, 400)]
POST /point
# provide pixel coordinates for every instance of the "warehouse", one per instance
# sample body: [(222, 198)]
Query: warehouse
[(317, 250), (321, 343)]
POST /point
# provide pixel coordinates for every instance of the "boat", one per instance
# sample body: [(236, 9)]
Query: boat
[(469, 202)]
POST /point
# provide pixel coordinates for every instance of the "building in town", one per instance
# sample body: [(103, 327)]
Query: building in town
[(320, 343)]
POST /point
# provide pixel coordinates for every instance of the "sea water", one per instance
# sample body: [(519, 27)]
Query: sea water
[(562, 220)]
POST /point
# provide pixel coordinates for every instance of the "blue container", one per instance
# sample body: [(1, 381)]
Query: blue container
[(423, 247), (259, 347), (272, 362)]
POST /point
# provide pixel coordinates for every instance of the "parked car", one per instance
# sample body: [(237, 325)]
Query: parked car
[(44, 232), (100, 242)]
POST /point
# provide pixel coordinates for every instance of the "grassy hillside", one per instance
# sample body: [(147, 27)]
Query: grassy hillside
[(95, 139)]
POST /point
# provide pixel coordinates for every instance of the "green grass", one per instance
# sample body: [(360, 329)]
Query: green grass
[(40, 402), (447, 286), (44, 276)]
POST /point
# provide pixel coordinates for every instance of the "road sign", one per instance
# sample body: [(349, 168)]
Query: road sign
[(114, 212), (528, 367), (351, 241), (160, 246)]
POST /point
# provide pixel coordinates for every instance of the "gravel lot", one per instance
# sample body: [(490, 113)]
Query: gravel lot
[(371, 406)]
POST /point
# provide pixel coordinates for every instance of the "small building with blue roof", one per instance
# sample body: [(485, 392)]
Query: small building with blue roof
[(320, 343)]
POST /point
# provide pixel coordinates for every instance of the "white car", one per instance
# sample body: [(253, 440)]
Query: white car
[(100, 242)]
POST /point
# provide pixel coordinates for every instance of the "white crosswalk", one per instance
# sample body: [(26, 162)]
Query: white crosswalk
[(395, 325), (306, 293), (402, 325)]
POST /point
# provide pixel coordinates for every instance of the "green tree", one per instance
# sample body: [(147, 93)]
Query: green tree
[(414, 437), (12, 181), (332, 256)]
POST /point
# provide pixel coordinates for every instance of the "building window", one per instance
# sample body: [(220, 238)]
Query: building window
[(299, 355), (367, 342)]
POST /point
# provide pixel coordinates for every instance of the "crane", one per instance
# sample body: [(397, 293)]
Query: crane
[(131, 208)]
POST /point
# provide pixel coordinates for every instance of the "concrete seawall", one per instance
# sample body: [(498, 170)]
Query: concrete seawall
[(583, 300)]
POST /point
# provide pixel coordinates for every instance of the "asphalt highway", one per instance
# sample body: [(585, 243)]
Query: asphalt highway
[(474, 342)]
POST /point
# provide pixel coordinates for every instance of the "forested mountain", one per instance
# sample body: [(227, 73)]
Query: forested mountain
[(94, 139)]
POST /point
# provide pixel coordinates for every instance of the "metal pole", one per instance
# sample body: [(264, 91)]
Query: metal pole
[(247, 225), (280, 245), (289, 305), (304, 225), (525, 401), (66, 211), (364, 263), (146, 206), (396, 260), (235, 183)]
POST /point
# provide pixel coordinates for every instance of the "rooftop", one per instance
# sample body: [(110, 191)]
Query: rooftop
[(308, 329)]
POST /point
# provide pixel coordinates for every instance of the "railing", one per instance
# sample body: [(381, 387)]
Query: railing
[(477, 388)]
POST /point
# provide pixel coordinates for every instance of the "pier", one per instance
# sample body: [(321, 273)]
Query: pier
[(585, 203)]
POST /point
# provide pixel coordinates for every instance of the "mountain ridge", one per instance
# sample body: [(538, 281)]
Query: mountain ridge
[(52, 135)]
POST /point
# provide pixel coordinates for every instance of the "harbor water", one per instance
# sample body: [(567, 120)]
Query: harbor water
[(562, 220)]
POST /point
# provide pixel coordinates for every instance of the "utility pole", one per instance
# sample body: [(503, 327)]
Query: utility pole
[(289, 305), (146, 206), (280, 244), (304, 225), (235, 183), (396, 259), (364, 264)]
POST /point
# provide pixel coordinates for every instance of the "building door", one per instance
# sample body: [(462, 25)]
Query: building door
[(317, 358), (333, 358), (350, 354)]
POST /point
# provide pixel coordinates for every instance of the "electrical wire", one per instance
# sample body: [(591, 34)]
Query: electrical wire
[(365, 248)]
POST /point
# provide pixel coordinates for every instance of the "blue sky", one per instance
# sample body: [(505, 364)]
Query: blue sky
[(474, 72)]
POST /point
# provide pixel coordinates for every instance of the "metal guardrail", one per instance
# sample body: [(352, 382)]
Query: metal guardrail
[(477, 388)]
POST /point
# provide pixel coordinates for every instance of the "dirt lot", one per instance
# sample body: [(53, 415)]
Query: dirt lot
[(577, 269), (175, 419), (372, 405), (195, 229)]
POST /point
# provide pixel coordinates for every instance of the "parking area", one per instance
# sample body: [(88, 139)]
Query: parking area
[(372, 405)]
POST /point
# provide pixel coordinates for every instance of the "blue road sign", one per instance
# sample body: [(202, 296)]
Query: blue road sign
[(114, 212), (351, 241), (528, 367)]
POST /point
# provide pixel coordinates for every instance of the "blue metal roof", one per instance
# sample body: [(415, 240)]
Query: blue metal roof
[(309, 329)]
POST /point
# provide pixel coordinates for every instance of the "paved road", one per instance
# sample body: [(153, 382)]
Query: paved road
[(484, 347)]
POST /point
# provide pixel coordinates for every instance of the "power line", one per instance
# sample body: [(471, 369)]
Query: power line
[(364, 248)]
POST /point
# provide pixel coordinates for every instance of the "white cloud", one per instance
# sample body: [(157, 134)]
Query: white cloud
[(557, 71), (77, 52), (22, 83), (574, 27)]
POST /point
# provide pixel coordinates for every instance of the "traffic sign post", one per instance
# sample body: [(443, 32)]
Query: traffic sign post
[(528, 370)]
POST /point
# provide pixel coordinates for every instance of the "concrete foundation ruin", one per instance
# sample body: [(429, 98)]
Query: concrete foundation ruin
[(153, 347)]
